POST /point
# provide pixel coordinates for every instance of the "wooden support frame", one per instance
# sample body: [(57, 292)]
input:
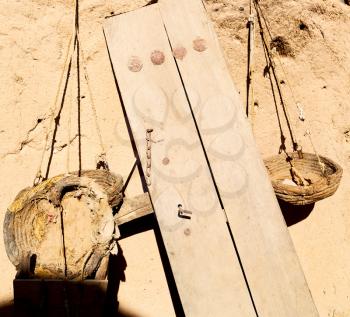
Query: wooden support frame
[(134, 208)]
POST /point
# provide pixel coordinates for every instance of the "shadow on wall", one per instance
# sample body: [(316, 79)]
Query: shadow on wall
[(67, 299), (293, 214)]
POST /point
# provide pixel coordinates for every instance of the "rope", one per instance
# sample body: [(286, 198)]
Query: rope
[(102, 160), (272, 65), (282, 136), (268, 27), (322, 165), (39, 177), (70, 105), (250, 75), (78, 84), (298, 105)]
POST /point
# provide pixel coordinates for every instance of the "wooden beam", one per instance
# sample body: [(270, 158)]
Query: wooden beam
[(206, 269), (270, 262), (134, 208)]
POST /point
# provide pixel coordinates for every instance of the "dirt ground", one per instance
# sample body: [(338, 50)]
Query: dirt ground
[(34, 38)]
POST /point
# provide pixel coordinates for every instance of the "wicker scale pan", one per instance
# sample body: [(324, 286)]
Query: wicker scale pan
[(321, 184)]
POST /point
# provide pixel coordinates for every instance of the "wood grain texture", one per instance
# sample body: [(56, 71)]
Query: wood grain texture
[(72, 249), (134, 208), (270, 262), (200, 250)]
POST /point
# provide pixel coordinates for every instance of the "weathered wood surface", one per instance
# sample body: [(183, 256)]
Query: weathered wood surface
[(102, 271), (65, 224), (273, 271), (111, 183), (134, 208), (200, 250)]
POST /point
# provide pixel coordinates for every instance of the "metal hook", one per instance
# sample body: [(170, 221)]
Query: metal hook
[(182, 213)]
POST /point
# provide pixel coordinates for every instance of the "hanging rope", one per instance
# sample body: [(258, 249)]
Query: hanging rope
[(102, 157), (250, 72), (271, 65), (300, 110), (69, 140), (282, 147), (78, 84), (66, 67), (268, 27), (322, 165), (56, 110)]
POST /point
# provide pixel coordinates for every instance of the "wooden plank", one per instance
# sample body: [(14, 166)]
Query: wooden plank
[(102, 271), (273, 271), (134, 208), (200, 250)]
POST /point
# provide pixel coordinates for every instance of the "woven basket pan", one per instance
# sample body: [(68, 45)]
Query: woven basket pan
[(322, 186)]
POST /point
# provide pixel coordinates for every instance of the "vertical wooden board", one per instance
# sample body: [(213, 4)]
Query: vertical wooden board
[(271, 265), (200, 250)]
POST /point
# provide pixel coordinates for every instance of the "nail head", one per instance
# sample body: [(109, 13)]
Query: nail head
[(157, 57), (179, 52), (199, 44), (166, 161), (187, 231), (135, 64)]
